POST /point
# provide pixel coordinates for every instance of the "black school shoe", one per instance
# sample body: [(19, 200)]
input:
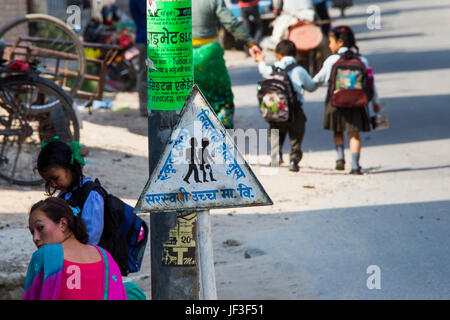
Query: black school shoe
[(356, 171), (294, 166), (340, 164)]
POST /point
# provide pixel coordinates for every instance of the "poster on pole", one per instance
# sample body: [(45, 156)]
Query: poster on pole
[(169, 54)]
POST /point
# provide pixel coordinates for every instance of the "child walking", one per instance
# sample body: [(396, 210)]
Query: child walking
[(350, 119), (60, 165), (285, 52)]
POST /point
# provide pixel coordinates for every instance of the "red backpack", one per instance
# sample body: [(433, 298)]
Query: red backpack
[(350, 83)]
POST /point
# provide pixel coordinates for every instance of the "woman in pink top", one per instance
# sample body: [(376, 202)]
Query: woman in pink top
[(64, 267)]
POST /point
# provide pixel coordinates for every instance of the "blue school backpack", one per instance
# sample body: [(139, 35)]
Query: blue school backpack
[(121, 230)]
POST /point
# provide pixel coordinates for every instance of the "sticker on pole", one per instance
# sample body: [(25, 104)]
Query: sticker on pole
[(201, 168), (169, 54)]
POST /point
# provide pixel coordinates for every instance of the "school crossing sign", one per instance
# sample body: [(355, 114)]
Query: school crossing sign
[(200, 167)]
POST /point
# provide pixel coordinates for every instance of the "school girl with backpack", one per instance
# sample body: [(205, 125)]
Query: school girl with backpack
[(350, 89), (110, 223), (60, 165)]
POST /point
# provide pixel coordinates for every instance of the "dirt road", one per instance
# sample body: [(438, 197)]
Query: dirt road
[(326, 228)]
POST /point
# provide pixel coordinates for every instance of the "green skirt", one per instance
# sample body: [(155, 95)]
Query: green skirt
[(345, 119), (211, 76)]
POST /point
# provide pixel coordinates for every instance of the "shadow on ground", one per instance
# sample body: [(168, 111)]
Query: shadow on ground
[(324, 254), (128, 118)]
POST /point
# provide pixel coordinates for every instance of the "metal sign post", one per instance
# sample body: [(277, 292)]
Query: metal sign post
[(199, 169), (194, 164), (206, 256), (166, 18)]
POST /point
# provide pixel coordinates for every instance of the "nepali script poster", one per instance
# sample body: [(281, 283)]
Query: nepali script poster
[(169, 54)]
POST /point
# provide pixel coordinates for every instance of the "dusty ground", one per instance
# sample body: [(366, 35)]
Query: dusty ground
[(118, 157), (325, 227)]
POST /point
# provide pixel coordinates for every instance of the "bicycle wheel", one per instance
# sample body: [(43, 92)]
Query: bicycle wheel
[(56, 47), (32, 110)]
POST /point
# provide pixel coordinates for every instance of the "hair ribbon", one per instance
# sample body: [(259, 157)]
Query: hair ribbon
[(43, 143), (75, 148)]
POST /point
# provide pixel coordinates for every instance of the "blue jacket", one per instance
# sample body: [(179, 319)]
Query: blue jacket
[(138, 11), (92, 214)]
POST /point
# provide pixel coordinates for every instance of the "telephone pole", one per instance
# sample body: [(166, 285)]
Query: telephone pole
[(170, 280)]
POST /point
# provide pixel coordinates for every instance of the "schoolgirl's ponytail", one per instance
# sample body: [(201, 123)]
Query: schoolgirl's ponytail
[(347, 36)]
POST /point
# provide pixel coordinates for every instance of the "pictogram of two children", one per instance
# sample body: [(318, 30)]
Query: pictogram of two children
[(199, 158)]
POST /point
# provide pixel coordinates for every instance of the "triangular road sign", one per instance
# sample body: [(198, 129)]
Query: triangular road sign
[(200, 167)]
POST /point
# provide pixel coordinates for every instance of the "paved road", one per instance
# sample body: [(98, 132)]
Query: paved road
[(400, 220), (318, 243)]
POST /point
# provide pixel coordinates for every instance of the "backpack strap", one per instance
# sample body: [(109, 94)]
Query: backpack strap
[(290, 67), (80, 194), (106, 264), (287, 68)]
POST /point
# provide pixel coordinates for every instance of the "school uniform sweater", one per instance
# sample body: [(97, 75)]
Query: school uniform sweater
[(92, 214), (300, 78)]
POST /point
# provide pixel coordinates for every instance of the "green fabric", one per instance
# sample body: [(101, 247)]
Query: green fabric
[(105, 259), (133, 291), (75, 147), (211, 76), (205, 17), (43, 143)]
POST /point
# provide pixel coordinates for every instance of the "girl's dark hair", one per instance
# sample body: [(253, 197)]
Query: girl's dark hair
[(345, 34), (286, 48), (57, 208), (58, 154)]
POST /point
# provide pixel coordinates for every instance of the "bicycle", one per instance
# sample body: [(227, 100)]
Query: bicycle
[(56, 45), (61, 54), (32, 109)]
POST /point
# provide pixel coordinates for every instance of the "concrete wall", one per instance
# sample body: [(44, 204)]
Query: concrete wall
[(11, 9)]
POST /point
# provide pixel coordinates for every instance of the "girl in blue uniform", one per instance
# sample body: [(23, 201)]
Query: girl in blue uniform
[(60, 165), (339, 120)]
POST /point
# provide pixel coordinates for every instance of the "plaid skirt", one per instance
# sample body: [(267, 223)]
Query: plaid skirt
[(345, 119)]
